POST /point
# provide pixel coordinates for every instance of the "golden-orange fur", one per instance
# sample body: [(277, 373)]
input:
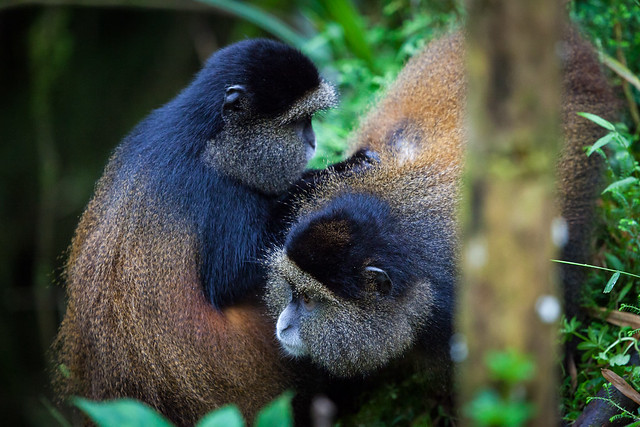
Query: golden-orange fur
[(428, 102), (418, 131), (406, 202), (138, 324)]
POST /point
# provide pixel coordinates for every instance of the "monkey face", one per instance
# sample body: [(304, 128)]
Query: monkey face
[(345, 336), (350, 288), (266, 153)]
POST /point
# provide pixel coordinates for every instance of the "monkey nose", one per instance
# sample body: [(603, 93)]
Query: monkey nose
[(309, 135), (311, 140), (281, 327)]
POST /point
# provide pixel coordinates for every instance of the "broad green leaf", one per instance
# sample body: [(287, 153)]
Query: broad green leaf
[(621, 184), (600, 143), (619, 360), (586, 345), (489, 409), (510, 366), (278, 413), (227, 416), (121, 413), (612, 281), (598, 120)]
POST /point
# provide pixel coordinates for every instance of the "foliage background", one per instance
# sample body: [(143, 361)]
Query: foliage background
[(76, 77)]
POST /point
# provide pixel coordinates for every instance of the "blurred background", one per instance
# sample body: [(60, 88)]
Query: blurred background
[(77, 75)]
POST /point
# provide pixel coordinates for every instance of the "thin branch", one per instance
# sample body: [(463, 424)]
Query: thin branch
[(620, 70), (595, 266)]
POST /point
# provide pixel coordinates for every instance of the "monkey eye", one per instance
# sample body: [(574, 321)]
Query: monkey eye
[(307, 302)]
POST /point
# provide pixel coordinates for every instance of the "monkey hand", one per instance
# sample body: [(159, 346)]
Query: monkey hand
[(361, 160)]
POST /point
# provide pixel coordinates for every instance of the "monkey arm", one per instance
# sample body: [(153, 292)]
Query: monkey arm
[(360, 161)]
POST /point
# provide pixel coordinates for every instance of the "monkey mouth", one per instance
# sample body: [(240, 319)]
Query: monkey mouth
[(294, 349), (311, 150)]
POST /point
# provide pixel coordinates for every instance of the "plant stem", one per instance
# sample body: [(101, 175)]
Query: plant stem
[(596, 267)]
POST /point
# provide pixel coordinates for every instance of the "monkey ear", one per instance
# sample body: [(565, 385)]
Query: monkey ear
[(381, 279), (233, 98)]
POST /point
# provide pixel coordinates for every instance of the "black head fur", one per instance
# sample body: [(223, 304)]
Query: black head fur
[(275, 74), (335, 245)]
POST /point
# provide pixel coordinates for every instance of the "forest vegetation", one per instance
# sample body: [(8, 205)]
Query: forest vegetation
[(77, 75)]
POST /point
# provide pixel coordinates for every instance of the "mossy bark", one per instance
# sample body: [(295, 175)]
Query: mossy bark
[(514, 103)]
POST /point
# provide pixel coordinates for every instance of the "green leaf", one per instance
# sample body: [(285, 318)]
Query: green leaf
[(621, 70), (619, 360), (627, 307), (613, 261), (611, 283), (278, 413), (621, 184), (625, 290), (227, 416), (510, 366), (600, 143), (488, 409), (262, 19), (587, 345), (570, 326), (121, 413), (598, 120), (346, 14)]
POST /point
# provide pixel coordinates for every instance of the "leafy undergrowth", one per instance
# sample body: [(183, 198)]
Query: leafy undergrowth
[(403, 402), (132, 413), (609, 340)]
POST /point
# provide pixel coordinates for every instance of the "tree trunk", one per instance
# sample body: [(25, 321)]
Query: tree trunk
[(508, 293)]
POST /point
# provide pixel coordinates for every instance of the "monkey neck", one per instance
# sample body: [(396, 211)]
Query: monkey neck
[(234, 230)]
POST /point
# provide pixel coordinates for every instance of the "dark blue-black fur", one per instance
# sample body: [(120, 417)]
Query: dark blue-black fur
[(354, 231), (335, 244), (162, 158)]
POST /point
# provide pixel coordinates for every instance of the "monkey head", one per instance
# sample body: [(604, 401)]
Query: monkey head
[(344, 288), (266, 95)]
